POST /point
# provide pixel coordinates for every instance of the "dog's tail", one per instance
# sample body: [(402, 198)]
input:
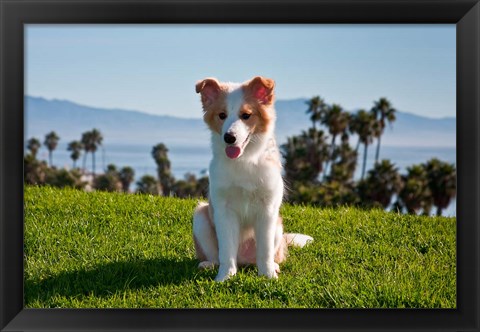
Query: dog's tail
[(297, 240)]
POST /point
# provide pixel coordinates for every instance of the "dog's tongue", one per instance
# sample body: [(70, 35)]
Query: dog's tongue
[(232, 151)]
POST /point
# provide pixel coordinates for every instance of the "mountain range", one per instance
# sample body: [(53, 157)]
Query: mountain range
[(69, 120)]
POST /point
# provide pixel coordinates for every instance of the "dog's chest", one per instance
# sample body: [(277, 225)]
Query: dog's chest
[(244, 202), (247, 191), (246, 181)]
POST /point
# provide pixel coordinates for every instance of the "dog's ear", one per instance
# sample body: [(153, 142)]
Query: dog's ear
[(261, 89), (209, 89)]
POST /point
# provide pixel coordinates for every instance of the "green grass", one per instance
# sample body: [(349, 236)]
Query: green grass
[(103, 250)]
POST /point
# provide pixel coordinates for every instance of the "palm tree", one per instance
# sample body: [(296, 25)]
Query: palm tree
[(76, 148), (186, 187), (442, 183), (159, 154), (109, 181), (91, 140), (304, 156), (354, 127), (381, 183), (51, 142), (96, 139), (344, 162), (148, 185), (126, 175), (317, 108), (383, 111), (85, 144), (112, 169), (336, 119), (416, 194), (33, 145), (365, 126)]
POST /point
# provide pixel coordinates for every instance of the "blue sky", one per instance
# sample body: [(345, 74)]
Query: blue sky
[(153, 68)]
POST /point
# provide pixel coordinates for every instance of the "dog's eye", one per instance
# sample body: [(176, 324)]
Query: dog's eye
[(245, 116), (222, 116)]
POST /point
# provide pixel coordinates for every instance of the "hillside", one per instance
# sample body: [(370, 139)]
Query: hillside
[(106, 250), (69, 120)]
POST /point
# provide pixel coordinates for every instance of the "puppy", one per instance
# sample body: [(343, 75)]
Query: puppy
[(241, 224)]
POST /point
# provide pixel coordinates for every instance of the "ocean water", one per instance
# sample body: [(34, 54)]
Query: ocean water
[(187, 159)]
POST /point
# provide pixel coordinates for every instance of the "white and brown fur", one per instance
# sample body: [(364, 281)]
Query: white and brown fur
[(241, 224)]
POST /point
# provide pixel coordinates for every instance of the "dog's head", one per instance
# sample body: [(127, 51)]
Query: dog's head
[(239, 113)]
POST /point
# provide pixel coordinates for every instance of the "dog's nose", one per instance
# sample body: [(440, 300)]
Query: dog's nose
[(229, 139)]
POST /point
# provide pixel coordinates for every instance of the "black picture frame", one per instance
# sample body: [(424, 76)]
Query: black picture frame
[(15, 13)]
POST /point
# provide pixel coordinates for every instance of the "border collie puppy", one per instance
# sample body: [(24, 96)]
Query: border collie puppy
[(241, 224)]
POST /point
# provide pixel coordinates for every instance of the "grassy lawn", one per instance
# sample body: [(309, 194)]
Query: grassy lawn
[(103, 250)]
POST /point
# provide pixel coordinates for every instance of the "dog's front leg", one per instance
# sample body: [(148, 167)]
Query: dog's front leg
[(228, 234), (265, 230)]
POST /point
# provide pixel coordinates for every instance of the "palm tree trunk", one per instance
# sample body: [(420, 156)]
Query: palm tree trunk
[(330, 157), (85, 161), (332, 148), (439, 211), (358, 145), (50, 157), (93, 163), (364, 160), (74, 163), (378, 148)]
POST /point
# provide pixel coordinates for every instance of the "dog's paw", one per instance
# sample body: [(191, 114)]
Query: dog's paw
[(206, 265), (221, 278), (277, 267), (225, 273), (269, 271)]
